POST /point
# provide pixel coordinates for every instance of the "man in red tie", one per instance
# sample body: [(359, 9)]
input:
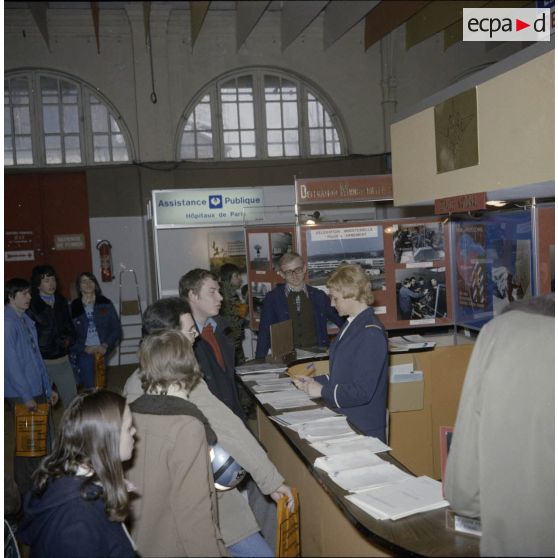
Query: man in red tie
[(214, 351)]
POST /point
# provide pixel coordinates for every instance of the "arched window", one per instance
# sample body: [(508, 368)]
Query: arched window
[(53, 120), (259, 114)]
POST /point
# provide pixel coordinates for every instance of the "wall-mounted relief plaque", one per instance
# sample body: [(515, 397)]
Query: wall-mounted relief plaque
[(455, 122)]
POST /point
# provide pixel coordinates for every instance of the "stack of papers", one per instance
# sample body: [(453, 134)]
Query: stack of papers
[(333, 463), (257, 377), (407, 343), (299, 417), (363, 478), (260, 368), (401, 499), (302, 353), (273, 387), (323, 429), (285, 399), (350, 444)]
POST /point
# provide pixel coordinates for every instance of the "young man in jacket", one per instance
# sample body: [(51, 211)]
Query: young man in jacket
[(50, 312), (25, 377), (214, 350), (309, 308)]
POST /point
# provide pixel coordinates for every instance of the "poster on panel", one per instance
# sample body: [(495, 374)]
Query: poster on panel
[(328, 248), (493, 265), (421, 294), (422, 242)]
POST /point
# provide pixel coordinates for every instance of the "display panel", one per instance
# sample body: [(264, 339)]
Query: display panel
[(545, 232), (493, 264), (406, 262), (265, 245)]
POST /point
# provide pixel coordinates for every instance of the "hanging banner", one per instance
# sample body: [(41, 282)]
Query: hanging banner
[(205, 206), (348, 188)]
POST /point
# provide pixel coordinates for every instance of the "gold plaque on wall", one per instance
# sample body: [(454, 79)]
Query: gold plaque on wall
[(455, 122)]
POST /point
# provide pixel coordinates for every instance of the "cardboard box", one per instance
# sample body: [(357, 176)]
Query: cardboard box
[(406, 387)]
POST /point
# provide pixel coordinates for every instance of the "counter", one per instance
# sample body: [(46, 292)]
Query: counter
[(333, 526)]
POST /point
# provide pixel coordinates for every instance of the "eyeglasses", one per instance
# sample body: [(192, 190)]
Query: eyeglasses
[(295, 271)]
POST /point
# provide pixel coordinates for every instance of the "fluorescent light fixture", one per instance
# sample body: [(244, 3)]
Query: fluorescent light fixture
[(496, 203)]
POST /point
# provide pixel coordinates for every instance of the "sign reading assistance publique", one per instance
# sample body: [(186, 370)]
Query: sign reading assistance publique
[(205, 206)]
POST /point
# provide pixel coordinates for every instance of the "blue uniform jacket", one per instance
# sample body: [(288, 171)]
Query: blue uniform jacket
[(106, 321), (25, 375), (358, 379), (63, 524), (276, 309)]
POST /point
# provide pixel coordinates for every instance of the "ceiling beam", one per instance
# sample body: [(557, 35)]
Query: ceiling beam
[(342, 15), (388, 16), (247, 16), (296, 17), (39, 12), (436, 17), (198, 11)]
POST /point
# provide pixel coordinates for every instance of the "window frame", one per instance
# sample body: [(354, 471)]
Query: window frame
[(303, 88), (38, 135)]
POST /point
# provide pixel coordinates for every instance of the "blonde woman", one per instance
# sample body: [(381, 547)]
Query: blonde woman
[(358, 357)]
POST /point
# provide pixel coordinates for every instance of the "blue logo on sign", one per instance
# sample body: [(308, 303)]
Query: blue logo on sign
[(215, 202)]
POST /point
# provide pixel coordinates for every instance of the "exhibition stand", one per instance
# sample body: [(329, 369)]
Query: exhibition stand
[(330, 524)]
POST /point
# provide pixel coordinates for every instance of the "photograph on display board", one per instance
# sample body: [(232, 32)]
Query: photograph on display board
[(421, 293), (493, 265), (423, 242), (258, 251), (545, 241), (259, 290), (281, 243), (227, 247), (327, 249)]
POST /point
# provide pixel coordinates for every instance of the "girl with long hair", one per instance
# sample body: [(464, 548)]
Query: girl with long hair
[(97, 327), (80, 497)]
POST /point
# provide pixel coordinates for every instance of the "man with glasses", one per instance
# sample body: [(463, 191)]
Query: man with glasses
[(309, 308)]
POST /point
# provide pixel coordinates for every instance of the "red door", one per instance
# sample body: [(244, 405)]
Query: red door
[(46, 219)]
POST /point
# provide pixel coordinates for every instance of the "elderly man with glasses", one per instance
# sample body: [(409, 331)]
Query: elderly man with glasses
[(309, 308)]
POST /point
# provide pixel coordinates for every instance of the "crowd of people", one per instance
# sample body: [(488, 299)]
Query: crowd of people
[(137, 473), (179, 410)]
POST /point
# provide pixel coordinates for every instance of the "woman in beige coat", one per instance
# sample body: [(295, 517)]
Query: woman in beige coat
[(236, 519), (176, 512)]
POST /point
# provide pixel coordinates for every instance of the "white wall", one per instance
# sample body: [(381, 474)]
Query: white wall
[(129, 251), (348, 75)]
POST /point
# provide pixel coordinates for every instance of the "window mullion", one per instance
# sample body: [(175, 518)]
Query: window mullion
[(38, 142), (216, 116), (61, 124), (12, 121), (259, 115), (303, 123), (85, 128)]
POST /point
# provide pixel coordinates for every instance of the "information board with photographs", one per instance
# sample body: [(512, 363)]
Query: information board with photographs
[(493, 256), (265, 246), (406, 262), (545, 233)]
